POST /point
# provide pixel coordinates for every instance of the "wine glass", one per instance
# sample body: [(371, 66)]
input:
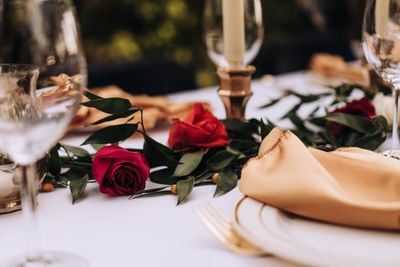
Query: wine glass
[(44, 33), (31, 122), (214, 36), (381, 45), (38, 103)]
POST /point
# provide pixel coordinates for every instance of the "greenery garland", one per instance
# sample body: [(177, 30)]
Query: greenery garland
[(179, 172)]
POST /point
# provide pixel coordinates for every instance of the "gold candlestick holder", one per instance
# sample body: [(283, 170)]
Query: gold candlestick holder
[(235, 90)]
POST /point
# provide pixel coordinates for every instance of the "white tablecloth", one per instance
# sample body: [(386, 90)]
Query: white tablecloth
[(150, 231)]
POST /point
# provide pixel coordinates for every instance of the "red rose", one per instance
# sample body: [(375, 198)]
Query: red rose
[(362, 107), (120, 172), (199, 129)]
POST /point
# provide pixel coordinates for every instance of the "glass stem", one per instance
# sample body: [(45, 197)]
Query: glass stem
[(395, 130), (29, 205)]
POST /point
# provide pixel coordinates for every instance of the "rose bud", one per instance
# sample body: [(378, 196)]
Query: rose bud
[(362, 107), (120, 172), (199, 129)]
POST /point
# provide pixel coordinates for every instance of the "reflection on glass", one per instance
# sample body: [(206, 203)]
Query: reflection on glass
[(213, 31)]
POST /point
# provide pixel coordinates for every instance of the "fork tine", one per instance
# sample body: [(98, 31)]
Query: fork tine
[(210, 225), (223, 220), (221, 227), (218, 214)]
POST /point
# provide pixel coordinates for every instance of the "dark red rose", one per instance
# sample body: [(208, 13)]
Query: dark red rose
[(199, 129), (120, 172), (362, 107)]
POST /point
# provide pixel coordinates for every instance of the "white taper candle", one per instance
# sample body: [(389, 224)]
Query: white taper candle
[(234, 31), (382, 17)]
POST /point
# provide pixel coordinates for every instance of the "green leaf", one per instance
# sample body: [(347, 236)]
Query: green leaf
[(77, 187), (112, 117), (97, 147), (227, 181), (157, 154), (372, 143), (383, 123), (188, 163), (240, 127), (355, 122), (203, 177), (74, 174), (112, 134), (148, 192), (221, 160), (77, 151), (330, 138), (112, 105), (244, 146), (264, 129), (55, 161), (318, 121), (184, 188), (309, 98), (163, 176), (62, 182), (91, 96), (296, 120), (271, 103), (292, 111)]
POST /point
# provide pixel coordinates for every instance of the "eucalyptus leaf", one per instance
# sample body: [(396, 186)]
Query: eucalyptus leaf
[(380, 120), (310, 98), (54, 161), (372, 140), (163, 176), (113, 105), (330, 138), (77, 151), (112, 117), (62, 182), (74, 174), (157, 154), (264, 129), (271, 103), (292, 111), (112, 134), (227, 181), (296, 120), (184, 188), (77, 187), (240, 127), (221, 160), (91, 96), (203, 177), (319, 121), (355, 122), (188, 163), (148, 191), (244, 146), (97, 147)]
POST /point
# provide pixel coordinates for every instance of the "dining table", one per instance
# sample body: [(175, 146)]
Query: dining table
[(152, 231)]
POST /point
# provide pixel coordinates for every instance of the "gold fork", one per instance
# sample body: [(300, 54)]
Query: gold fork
[(221, 227)]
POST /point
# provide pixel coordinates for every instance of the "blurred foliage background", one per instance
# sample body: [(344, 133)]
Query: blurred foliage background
[(126, 30)]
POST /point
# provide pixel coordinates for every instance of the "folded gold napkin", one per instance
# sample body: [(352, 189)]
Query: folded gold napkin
[(155, 109), (349, 186), (334, 67)]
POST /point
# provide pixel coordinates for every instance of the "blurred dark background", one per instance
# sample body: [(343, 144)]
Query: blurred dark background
[(156, 47)]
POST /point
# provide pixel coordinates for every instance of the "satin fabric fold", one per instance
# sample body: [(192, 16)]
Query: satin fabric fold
[(349, 186)]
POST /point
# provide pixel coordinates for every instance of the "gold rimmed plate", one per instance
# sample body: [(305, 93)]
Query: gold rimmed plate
[(314, 243)]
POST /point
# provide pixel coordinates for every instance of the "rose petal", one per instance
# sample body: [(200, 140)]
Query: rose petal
[(117, 170)]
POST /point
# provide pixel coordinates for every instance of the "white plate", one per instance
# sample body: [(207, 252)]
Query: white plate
[(314, 243)]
